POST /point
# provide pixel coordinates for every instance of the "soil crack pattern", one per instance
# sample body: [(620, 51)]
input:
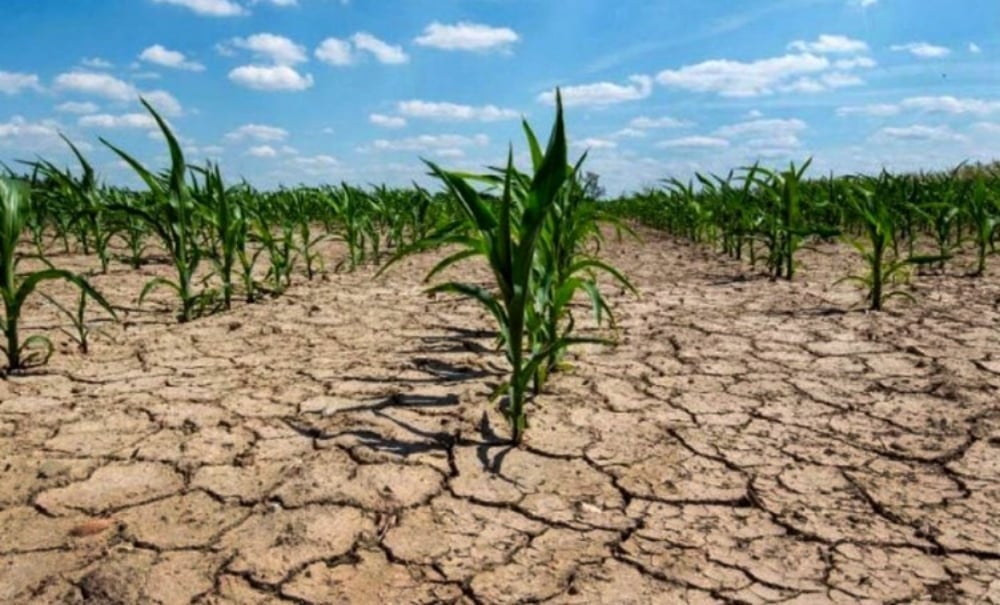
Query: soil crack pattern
[(746, 442)]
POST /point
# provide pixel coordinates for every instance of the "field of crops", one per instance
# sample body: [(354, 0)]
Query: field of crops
[(760, 387)]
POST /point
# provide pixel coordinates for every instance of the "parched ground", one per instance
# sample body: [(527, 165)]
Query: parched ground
[(747, 442)]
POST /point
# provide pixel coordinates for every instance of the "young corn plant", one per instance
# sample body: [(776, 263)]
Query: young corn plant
[(943, 210), (308, 243), (227, 228), (82, 198), (281, 250), (875, 214), (352, 210), (81, 330), (508, 234), (15, 207), (566, 263), (172, 216), (984, 216), (787, 227), (131, 231)]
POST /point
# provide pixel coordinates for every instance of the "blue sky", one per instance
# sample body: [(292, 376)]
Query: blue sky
[(290, 91)]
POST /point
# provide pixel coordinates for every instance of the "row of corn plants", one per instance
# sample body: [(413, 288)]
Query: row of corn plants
[(224, 242), (895, 221)]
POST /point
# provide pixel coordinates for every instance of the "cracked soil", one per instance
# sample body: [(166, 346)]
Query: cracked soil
[(747, 441)]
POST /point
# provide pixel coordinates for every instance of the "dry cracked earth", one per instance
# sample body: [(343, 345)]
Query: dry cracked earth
[(748, 441)]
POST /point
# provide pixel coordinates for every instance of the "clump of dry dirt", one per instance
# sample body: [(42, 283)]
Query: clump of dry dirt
[(747, 442)]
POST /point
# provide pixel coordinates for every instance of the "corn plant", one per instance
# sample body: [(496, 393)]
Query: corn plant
[(352, 210), (511, 256), (873, 210), (15, 207), (566, 263), (307, 244), (984, 216), (227, 225), (81, 330), (514, 234), (81, 197), (786, 226), (171, 215), (942, 211), (281, 251)]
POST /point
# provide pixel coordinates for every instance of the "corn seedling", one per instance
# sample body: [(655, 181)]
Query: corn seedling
[(536, 268), (15, 207), (227, 228), (80, 334), (871, 208), (984, 216), (787, 227), (171, 216)]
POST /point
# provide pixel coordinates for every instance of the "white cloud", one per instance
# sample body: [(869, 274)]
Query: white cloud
[(454, 112), (96, 63), (742, 79), (110, 87), (450, 152), (987, 127), (974, 48), (77, 107), (163, 102), (646, 123), (804, 85), (317, 165), (595, 143), (209, 8), (918, 132), (257, 132), (335, 51), (631, 133), (96, 84), (270, 78), (278, 3), (602, 93), (762, 127), (160, 55), (127, 120), (694, 142), (21, 135), (262, 151), (467, 36), (952, 105), (922, 50), (854, 63), (386, 121), (429, 142), (926, 104), (383, 52), (840, 80), (829, 44), (11, 83), (271, 47), (879, 110), (765, 135)]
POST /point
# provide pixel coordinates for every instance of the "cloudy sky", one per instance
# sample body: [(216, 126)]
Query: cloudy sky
[(290, 91)]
